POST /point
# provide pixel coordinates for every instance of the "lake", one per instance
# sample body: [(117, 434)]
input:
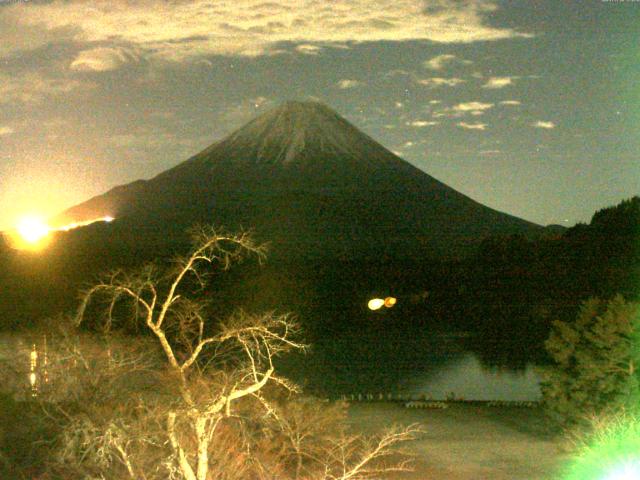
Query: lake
[(432, 366)]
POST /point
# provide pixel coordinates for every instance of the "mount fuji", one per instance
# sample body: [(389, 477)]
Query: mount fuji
[(309, 182)]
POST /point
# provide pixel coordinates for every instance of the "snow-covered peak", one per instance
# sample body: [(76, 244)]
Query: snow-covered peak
[(282, 134)]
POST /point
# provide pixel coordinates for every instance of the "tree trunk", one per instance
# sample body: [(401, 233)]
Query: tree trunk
[(203, 448), (183, 462)]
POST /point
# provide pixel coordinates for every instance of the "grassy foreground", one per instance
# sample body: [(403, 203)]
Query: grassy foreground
[(469, 442)]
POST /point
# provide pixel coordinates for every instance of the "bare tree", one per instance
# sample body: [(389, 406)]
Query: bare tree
[(211, 411), (178, 323), (317, 439), (353, 457)]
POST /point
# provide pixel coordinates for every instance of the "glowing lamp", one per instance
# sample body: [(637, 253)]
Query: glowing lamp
[(375, 304)]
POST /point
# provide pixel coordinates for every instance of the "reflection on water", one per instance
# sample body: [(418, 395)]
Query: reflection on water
[(23, 365), (431, 366)]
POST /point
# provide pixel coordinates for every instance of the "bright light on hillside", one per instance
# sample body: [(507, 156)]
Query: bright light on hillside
[(33, 233), (32, 229)]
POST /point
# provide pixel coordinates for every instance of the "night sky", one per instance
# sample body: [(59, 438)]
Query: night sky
[(529, 107)]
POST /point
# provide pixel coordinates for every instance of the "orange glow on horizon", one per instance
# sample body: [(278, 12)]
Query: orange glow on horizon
[(32, 229), (71, 226), (33, 233)]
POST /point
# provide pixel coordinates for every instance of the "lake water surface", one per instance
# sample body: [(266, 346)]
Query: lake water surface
[(430, 366)]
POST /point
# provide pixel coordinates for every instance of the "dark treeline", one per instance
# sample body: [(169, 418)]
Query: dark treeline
[(518, 286), (508, 293)]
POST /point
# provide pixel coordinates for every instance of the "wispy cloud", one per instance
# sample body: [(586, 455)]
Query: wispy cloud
[(472, 107), (441, 61), (472, 126), (184, 29), (421, 123), (398, 72), (463, 109), (543, 124), (308, 49), (439, 82), (510, 102), (33, 88), (498, 82), (102, 59), (237, 114), (347, 83)]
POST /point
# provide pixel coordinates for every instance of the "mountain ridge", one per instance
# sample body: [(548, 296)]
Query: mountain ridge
[(302, 174)]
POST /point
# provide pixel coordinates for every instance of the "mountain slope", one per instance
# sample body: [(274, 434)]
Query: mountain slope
[(311, 183)]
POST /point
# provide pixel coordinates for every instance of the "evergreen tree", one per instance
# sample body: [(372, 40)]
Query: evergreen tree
[(595, 362)]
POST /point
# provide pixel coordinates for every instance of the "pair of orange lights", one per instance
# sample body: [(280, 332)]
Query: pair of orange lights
[(378, 303)]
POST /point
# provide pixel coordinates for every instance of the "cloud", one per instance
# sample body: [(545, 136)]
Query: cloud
[(441, 61), (498, 82), (510, 102), (16, 37), (472, 107), (439, 81), (346, 83), (237, 114), (102, 59), (543, 124), (307, 49), (33, 88), (472, 126), (421, 123), (183, 29), (6, 131), (398, 72), (462, 109)]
